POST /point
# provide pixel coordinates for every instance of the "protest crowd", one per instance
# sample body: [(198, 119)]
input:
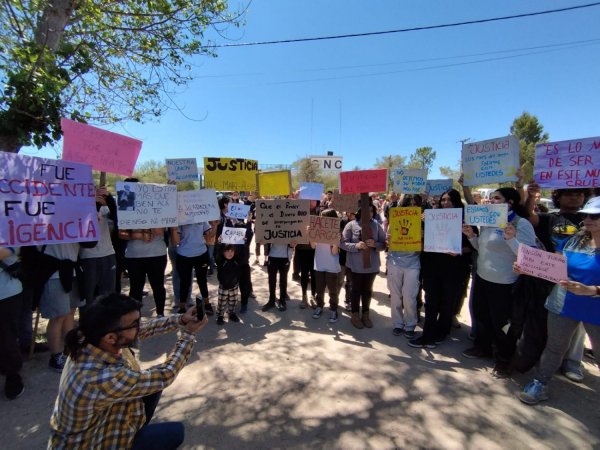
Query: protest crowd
[(530, 278)]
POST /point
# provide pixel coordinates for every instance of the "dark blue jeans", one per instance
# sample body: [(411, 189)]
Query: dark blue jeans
[(159, 436)]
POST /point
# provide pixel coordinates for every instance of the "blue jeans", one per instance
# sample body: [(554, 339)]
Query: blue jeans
[(165, 435)]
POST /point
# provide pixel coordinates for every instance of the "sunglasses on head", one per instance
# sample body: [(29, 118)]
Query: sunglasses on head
[(592, 216)]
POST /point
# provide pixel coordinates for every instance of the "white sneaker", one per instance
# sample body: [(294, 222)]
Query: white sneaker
[(318, 312)]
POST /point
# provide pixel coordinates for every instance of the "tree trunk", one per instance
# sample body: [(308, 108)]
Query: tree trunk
[(53, 22)]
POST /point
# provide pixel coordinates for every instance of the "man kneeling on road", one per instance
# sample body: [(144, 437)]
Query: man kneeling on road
[(105, 401)]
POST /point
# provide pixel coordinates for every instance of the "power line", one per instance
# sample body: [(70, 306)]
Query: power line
[(405, 30)]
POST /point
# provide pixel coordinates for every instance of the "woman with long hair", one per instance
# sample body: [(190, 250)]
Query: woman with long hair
[(493, 289), (362, 278), (572, 302), (443, 280)]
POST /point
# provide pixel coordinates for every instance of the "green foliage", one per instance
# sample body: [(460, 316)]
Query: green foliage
[(390, 162), (422, 158), (530, 132), (107, 61)]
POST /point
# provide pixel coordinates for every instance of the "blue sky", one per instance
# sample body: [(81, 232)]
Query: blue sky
[(367, 97)]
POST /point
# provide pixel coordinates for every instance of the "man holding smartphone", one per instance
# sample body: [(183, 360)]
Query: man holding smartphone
[(105, 400)]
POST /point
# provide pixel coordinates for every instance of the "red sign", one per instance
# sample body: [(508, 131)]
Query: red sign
[(359, 181)]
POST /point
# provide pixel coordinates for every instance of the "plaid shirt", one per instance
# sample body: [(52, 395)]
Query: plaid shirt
[(99, 403)]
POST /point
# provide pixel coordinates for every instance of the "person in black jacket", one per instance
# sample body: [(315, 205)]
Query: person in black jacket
[(228, 274)]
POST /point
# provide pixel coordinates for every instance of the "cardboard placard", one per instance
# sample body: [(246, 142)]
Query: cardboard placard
[(238, 211), (541, 264), (282, 221), (46, 201), (568, 164), (443, 230), (103, 150), (359, 181), (311, 191), (182, 169), (345, 202), (197, 206), (437, 187), (274, 183), (409, 181), (233, 235), (324, 230), (405, 229), (490, 161), (146, 205), (487, 215), (230, 174)]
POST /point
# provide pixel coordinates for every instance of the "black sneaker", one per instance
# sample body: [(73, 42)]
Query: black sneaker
[(220, 320), (409, 334), (243, 308), (475, 353), (421, 343), (208, 309), (501, 370), (233, 317), (267, 306), (57, 362), (14, 386), (397, 331), (209, 272), (281, 305)]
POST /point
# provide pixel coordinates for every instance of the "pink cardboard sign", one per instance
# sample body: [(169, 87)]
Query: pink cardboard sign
[(103, 150), (541, 264), (359, 181)]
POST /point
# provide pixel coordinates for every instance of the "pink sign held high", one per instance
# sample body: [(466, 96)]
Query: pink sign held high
[(103, 150), (359, 181)]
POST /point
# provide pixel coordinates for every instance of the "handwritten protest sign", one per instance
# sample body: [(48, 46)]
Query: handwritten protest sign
[(46, 201), (443, 230), (541, 264), (487, 215), (103, 150), (238, 211), (409, 181), (311, 191), (568, 164), (230, 174), (146, 205), (182, 169), (325, 230), (233, 235), (345, 202), (358, 181), (405, 229), (274, 183), (282, 221), (197, 206), (437, 187), (491, 161)]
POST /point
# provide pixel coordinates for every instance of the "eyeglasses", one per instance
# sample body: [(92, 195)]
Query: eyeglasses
[(591, 216), (134, 325)]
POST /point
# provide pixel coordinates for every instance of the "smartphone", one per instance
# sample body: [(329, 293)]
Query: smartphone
[(200, 312)]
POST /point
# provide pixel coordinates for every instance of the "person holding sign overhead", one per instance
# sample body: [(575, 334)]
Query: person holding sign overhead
[(571, 302), (362, 277), (493, 296)]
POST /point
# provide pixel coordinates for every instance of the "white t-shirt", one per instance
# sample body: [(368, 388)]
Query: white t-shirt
[(325, 261)]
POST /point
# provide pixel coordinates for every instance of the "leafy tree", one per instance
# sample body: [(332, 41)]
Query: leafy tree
[(96, 60), (390, 162), (305, 170), (422, 158), (453, 174), (528, 129)]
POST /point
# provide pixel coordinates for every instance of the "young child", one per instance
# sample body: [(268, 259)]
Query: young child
[(228, 274), (327, 267)]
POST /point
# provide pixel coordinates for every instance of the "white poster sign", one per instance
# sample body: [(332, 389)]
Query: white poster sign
[(328, 163), (491, 161), (238, 211), (443, 230), (197, 206), (146, 205), (233, 235), (487, 215)]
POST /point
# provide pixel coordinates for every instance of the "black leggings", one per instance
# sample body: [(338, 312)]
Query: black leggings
[(184, 268), (281, 266), (153, 267), (306, 258), (362, 288)]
